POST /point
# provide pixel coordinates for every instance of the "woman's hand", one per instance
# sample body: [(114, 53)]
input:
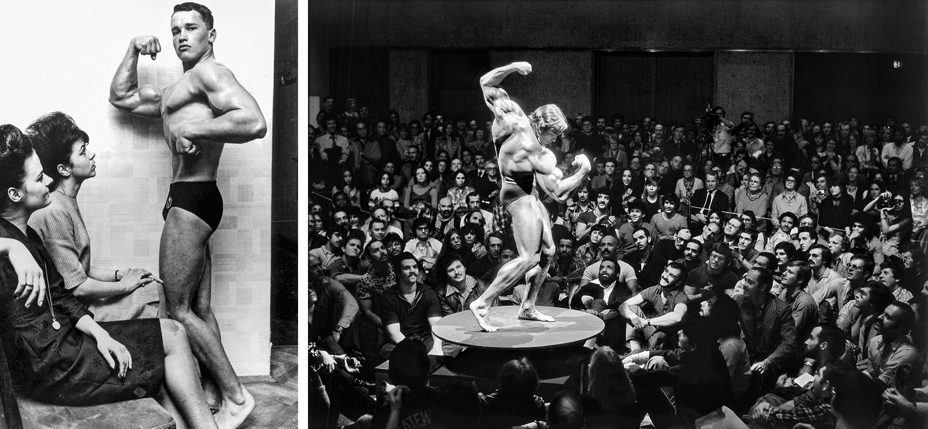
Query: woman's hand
[(328, 362), (30, 284), (112, 349), (134, 278)]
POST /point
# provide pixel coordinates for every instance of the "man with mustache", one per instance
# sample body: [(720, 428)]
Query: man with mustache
[(410, 308)]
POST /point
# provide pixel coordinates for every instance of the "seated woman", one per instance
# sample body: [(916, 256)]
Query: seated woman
[(110, 295), (54, 350)]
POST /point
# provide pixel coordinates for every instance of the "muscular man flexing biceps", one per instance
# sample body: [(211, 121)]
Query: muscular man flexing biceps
[(524, 161), (203, 110)]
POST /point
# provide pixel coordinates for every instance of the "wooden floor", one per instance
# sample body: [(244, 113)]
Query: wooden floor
[(276, 401)]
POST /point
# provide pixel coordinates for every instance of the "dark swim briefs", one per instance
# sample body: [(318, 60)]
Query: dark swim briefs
[(200, 198)]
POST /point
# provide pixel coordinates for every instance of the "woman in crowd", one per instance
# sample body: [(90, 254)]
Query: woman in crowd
[(873, 193), (459, 191), (611, 400), (629, 189), (349, 188), (754, 200), (724, 318), (384, 191), (420, 189), (443, 175), (651, 198), (110, 295), (56, 352), (474, 237), (454, 243), (918, 203), (856, 184)]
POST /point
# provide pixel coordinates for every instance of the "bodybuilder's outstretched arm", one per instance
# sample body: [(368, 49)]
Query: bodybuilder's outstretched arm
[(125, 92), (497, 98)]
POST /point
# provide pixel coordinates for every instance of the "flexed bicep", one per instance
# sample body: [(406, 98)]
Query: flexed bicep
[(496, 98)]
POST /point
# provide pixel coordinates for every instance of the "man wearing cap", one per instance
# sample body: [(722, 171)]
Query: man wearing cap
[(636, 210)]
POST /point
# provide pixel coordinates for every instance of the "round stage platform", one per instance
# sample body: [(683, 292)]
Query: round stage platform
[(569, 327)]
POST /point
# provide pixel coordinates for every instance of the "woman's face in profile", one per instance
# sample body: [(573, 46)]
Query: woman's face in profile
[(35, 193)]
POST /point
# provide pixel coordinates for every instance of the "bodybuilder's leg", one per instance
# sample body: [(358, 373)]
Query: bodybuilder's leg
[(537, 274), (182, 260), (526, 227)]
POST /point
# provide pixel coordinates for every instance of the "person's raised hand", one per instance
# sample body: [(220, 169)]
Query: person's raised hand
[(147, 45)]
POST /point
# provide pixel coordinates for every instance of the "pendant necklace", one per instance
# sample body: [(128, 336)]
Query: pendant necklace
[(51, 306)]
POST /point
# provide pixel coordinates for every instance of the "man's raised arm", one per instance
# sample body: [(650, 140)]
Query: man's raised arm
[(125, 93), (238, 117), (492, 93), (550, 179)]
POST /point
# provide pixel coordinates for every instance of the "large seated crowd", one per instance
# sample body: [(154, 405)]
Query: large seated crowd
[(749, 274)]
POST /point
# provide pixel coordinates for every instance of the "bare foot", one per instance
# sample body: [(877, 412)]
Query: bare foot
[(232, 415), (481, 312), (532, 313)]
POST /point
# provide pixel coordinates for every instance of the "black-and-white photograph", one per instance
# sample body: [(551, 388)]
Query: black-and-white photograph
[(617, 214), (148, 223)]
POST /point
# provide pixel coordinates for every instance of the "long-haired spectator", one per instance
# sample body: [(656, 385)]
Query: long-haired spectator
[(615, 403), (724, 319), (420, 189), (865, 231), (514, 402)]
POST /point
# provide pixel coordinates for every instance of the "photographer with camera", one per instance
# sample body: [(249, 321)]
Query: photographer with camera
[(722, 140), (895, 219)]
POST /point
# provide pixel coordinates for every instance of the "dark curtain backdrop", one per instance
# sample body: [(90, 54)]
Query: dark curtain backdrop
[(671, 87), (455, 75), (361, 73), (835, 86)]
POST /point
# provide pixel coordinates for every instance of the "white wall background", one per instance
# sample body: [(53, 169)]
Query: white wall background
[(61, 56)]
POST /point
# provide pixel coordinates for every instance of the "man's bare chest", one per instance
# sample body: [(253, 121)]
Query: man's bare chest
[(181, 96)]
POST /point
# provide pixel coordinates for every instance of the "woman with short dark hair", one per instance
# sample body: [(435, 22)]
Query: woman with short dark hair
[(109, 294)]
